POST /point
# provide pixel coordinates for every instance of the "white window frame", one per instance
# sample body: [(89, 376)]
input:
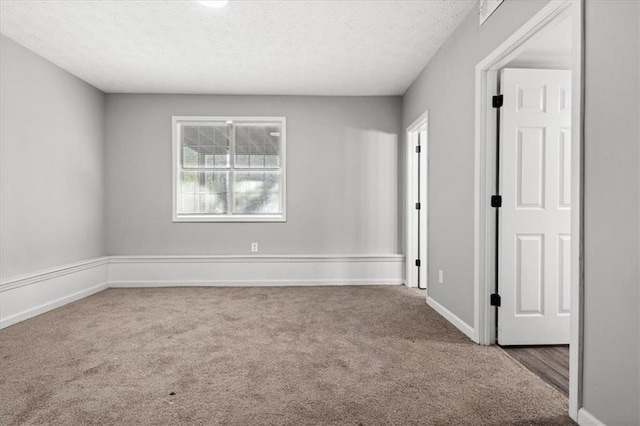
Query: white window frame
[(229, 216)]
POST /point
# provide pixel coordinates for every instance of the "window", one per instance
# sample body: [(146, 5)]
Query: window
[(229, 169)]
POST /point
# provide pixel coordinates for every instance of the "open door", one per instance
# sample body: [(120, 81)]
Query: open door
[(534, 231)]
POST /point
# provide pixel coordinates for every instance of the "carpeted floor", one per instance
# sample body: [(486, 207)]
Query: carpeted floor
[(260, 356)]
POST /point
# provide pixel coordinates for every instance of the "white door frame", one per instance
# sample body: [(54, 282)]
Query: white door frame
[(411, 161), (485, 159)]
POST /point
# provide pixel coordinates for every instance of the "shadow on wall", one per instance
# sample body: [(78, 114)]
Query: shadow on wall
[(370, 189)]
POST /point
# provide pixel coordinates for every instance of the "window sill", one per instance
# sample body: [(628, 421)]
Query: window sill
[(230, 219)]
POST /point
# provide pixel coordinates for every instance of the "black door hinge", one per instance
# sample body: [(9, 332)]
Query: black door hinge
[(417, 206), (495, 300), (418, 149), (496, 201), (417, 262), (498, 100)]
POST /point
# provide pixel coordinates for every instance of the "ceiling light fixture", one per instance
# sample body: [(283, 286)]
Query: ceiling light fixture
[(220, 3)]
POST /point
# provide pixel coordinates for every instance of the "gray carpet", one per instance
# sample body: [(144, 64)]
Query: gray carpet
[(260, 356)]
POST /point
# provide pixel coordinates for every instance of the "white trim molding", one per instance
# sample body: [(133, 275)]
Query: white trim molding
[(25, 296), (585, 418), (486, 9), (263, 270), (453, 319)]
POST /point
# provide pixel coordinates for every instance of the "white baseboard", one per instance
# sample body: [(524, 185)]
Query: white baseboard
[(284, 270), (585, 418), (29, 295), (247, 283), (26, 296), (453, 319)]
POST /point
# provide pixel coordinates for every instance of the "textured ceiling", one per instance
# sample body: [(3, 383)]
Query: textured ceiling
[(330, 47)]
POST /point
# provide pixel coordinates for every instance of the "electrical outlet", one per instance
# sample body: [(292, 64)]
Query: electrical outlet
[(441, 276), (254, 247)]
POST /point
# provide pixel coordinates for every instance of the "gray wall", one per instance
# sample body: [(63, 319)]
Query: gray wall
[(446, 88), (342, 168), (52, 185), (343, 187), (611, 357)]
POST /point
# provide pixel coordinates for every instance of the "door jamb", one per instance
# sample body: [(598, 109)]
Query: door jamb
[(485, 132), (411, 273)]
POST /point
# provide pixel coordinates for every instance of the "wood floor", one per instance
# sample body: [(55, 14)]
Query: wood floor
[(551, 363)]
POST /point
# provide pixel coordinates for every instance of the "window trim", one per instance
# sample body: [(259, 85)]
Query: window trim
[(175, 158)]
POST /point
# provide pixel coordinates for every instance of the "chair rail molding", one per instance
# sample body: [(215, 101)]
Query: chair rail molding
[(258, 270), (26, 296)]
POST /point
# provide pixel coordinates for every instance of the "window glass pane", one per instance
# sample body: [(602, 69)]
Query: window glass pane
[(221, 160), (258, 142), (189, 157), (205, 146), (203, 192), (272, 161), (257, 192), (256, 161), (242, 161)]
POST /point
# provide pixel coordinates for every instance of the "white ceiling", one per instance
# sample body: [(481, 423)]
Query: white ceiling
[(331, 47)]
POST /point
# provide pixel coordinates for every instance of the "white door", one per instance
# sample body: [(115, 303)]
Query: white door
[(417, 255), (535, 218), (421, 212)]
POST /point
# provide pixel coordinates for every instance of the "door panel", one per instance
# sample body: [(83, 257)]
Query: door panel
[(534, 220), (529, 280), (530, 168)]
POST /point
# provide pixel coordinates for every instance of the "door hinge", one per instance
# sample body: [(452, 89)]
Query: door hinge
[(495, 300), (418, 149), (496, 201), (417, 262), (498, 100), (418, 206)]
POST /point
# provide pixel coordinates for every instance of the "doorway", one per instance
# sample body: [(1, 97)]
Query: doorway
[(526, 247), (534, 219), (416, 203)]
